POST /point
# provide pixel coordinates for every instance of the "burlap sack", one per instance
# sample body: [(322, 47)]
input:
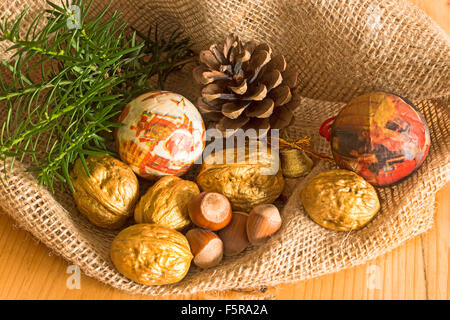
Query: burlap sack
[(342, 49)]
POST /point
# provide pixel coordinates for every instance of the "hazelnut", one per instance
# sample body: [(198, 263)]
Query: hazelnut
[(210, 210), (263, 221), (206, 247), (234, 235)]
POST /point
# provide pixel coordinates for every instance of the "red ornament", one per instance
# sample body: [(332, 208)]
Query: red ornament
[(381, 137)]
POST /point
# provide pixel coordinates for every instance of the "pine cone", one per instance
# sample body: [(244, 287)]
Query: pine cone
[(245, 86)]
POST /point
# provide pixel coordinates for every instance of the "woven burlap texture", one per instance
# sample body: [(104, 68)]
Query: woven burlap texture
[(341, 49)]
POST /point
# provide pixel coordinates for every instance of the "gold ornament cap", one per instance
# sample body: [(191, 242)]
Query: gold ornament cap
[(340, 200)]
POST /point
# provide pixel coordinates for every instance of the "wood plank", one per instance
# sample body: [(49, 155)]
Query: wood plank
[(439, 10), (436, 246)]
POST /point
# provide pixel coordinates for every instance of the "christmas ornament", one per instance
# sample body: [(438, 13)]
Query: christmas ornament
[(340, 200), (162, 134), (246, 86), (295, 163), (380, 136)]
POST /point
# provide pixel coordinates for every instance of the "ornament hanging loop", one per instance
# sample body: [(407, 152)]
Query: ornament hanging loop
[(301, 144), (325, 128)]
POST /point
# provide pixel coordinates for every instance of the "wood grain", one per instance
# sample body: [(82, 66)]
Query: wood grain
[(416, 270)]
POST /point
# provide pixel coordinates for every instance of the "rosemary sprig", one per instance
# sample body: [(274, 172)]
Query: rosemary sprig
[(64, 87)]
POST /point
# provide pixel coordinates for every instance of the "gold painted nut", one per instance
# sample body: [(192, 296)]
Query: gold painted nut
[(166, 203), (340, 200), (253, 179), (107, 195), (151, 254)]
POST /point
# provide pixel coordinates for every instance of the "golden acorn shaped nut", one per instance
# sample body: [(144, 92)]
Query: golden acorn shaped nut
[(252, 180), (340, 200), (151, 254), (263, 221), (166, 203), (234, 235), (206, 247), (107, 195)]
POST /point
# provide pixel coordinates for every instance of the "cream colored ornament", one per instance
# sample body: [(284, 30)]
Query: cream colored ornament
[(162, 134)]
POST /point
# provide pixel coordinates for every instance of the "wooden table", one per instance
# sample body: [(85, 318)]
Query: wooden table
[(416, 270)]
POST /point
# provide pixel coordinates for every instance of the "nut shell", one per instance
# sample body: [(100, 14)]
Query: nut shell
[(150, 254), (166, 203), (108, 195), (210, 210), (340, 200), (246, 182), (263, 221), (206, 246), (234, 235)]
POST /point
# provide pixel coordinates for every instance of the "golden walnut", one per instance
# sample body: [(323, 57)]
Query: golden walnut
[(108, 195), (340, 200), (151, 254), (166, 203), (252, 178)]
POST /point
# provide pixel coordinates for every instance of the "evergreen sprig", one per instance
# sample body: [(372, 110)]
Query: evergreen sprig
[(85, 76)]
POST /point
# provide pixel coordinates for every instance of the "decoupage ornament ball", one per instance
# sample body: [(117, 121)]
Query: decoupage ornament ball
[(381, 137), (162, 133)]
